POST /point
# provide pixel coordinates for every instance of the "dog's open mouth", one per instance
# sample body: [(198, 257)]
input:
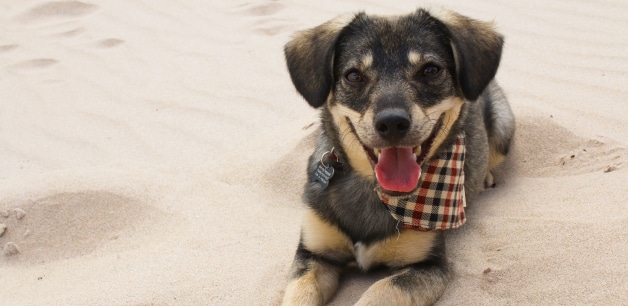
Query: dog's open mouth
[(398, 169)]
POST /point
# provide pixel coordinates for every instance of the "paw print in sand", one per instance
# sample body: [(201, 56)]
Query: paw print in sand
[(10, 248)]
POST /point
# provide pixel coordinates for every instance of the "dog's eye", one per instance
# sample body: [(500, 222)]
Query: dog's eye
[(354, 77), (429, 71)]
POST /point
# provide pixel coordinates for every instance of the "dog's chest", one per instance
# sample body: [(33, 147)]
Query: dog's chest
[(408, 247)]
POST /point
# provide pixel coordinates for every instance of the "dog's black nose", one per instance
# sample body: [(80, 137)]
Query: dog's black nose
[(392, 124)]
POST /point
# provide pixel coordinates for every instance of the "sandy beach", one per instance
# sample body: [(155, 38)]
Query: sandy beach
[(153, 153)]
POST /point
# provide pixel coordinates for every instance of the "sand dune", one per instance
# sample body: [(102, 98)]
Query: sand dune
[(154, 153)]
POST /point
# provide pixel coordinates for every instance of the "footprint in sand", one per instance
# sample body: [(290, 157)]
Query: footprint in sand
[(34, 64), (262, 9), (19, 213), (72, 33), (68, 225), (58, 9), (268, 28), (542, 148), (109, 43), (7, 48), (63, 10), (265, 25), (10, 248)]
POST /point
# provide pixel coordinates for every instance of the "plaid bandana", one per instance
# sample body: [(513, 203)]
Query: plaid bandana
[(439, 201)]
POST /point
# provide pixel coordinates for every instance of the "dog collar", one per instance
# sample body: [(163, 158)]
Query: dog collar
[(326, 167), (439, 201)]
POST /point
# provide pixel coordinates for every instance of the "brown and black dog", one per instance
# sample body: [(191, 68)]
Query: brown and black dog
[(397, 95)]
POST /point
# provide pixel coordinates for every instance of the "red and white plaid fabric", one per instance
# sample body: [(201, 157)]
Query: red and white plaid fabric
[(439, 201)]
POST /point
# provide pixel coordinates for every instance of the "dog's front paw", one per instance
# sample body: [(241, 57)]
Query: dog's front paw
[(385, 293), (314, 285), (302, 292)]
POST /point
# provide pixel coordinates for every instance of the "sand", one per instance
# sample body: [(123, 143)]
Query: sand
[(153, 153)]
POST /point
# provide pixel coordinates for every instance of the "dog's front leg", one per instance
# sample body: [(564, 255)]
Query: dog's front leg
[(313, 280), (418, 284), (323, 251)]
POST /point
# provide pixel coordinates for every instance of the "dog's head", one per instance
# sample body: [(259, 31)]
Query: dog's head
[(394, 86)]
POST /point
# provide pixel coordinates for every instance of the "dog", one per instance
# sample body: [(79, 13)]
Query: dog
[(412, 124)]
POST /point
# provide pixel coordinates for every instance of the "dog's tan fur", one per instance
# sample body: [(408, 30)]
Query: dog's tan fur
[(406, 248), (315, 287), (322, 238), (355, 154)]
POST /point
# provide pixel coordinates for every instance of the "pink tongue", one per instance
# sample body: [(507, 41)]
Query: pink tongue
[(397, 169)]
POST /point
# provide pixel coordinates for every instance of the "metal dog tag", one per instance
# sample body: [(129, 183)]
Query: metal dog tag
[(322, 175)]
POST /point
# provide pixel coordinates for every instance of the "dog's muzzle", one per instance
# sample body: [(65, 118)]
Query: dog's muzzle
[(397, 168)]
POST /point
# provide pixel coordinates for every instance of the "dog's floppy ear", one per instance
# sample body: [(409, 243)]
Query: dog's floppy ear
[(309, 56), (477, 50)]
